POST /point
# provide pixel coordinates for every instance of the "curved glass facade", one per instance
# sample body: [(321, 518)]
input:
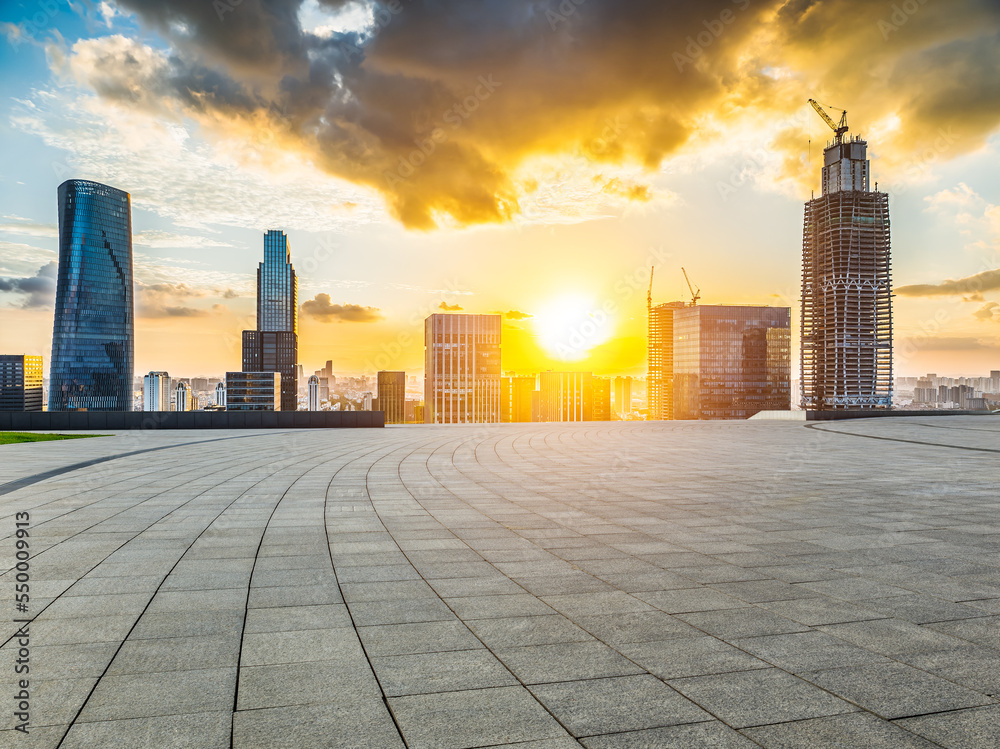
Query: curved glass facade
[(92, 337)]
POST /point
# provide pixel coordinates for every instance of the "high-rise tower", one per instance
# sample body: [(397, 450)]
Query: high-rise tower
[(274, 345), (462, 369), (846, 353), (92, 335)]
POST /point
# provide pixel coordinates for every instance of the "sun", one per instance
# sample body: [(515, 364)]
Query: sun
[(569, 326)]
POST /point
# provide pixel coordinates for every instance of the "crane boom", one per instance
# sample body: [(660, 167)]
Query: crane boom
[(695, 295), (838, 127), (649, 294)]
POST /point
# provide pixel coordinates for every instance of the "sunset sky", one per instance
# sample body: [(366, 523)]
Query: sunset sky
[(525, 157)]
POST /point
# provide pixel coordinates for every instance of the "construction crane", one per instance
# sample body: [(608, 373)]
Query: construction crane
[(838, 127), (649, 294), (695, 294)]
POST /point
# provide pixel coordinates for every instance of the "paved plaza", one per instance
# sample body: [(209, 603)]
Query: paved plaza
[(682, 585)]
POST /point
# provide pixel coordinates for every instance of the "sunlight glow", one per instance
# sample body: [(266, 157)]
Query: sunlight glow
[(571, 325)]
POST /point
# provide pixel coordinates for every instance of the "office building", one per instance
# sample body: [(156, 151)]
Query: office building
[(313, 393), (731, 362), (253, 391), (623, 396), (367, 401), (660, 374), (20, 382), (220, 394), (92, 333), (274, 345), (565, 396), (846, 353), (515, 398), (156, 392), (462, 369), (392, 396), (182, 397), (601, 408)]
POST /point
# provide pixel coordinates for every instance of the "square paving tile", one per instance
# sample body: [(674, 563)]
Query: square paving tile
[(527, 630), (627, 703), (710, 735), (893, 690), (568, 661), (426, 673), (755, 698), (837, 732), (961, 729), (690, 656), (479, 717)]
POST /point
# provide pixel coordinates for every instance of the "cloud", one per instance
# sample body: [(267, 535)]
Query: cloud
[(450, 307), (159, 300), (437, 106), (27, 227), (970, 285), (40, 289), (955, 343), (165, 239), (516, 315), (321, 309), (989, 312)]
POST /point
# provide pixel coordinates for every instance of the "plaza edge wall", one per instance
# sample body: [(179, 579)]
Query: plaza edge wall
[(120, 420)]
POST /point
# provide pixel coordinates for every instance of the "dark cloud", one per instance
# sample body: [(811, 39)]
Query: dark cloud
[(440, 104), (450, 307), (39, 289), (516, 315), (973, 286), (321, 309)]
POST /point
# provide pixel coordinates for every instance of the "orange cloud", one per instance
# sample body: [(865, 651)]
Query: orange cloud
[(437, 108)]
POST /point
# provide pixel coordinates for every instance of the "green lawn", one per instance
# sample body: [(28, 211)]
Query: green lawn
[(10, 438)]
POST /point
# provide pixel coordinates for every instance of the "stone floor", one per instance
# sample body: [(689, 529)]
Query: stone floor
[(606, 585)]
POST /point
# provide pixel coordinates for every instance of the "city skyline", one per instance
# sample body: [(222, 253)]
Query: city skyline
[(595, 206)]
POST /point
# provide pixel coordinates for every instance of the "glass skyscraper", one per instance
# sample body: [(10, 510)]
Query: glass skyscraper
[(730, 361), (274, 345), (92, 336), (277, 286)]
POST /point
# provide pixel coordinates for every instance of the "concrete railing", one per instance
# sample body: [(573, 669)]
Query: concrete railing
[(27, 421)]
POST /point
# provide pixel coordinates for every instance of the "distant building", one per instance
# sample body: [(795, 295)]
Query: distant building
[(274, 345), (199, 384), (392, 396), (93, 333), (515, 398), (462, 369), (565, 396), (601, 408), (156, 392), (366, 401), (182, 397), (273, 351), (731, 362), (20, 382), (660, 374), (220, 394), (313, 393), (253, 391), (623, 397)]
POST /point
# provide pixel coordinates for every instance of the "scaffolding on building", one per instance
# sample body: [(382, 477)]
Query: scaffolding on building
[(846, 353)]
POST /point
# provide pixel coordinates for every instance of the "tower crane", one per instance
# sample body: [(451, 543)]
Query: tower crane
[(838, 127), (649, 294), (695, 294)]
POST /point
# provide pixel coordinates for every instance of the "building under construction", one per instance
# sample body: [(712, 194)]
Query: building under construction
[(660, 372), (846, 354)]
